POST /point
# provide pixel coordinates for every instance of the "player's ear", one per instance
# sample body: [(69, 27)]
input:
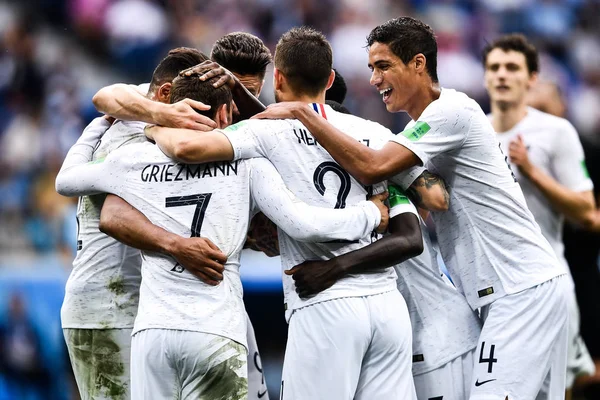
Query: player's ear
[(533, 79), (164, 92), (330, 80), (420, 62), (223, 117), (278, 79)]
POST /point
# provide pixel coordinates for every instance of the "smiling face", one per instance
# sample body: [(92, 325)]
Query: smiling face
[(507, 78), (396, 82)]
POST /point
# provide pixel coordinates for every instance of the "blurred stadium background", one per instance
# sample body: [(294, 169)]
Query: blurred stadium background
[(58, 53)]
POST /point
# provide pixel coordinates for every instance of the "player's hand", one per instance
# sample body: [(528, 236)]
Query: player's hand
[(284, 110), (312, 277), (378, 200), (209, 69), (517, 151), (202, 258), (183, 114)]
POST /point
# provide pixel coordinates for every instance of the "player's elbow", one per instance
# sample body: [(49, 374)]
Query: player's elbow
[(371, 174), (61, 185), (99, 99), (107, 222), (590, 221), (415, 243), (186, 151)]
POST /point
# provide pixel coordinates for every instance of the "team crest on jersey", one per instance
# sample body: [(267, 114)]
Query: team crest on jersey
[(416, 132), (235, 127)]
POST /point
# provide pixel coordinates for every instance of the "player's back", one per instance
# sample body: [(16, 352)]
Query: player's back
[(444, 326), (488, 238), (553, 146), (314, 177), (103, 287), (209, 200)]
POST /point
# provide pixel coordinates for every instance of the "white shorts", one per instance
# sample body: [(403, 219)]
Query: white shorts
[(257, 387), (451, 381), (173, 364), (523, 344), (350, 348), (100, 361), (579, 361)]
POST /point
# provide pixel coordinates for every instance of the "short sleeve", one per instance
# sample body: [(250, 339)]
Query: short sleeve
[(406, 178), (568, 163), (441, 128), (399, 202), (252, 138)]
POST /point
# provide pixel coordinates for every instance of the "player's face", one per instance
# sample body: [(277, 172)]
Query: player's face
[(253, 83), (394, 80), (507, 78)]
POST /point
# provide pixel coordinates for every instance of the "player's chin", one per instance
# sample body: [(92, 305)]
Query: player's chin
[(393, 108)]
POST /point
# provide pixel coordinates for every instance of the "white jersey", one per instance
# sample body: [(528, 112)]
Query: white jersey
[(312, 175), (488, 239), (103, 288), (213, 200), (553, 146), (444, 326)]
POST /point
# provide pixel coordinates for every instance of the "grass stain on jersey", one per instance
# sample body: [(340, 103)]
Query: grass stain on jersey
[(117, 285), (222, 381), (98, 363)]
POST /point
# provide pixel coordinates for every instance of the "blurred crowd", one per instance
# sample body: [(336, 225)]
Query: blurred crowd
[(57, 53)]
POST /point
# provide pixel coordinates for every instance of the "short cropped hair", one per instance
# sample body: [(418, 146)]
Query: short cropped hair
[(242, 53), (190, 87), (337, 91), (407, 37), (515, 42), (305, 58), (176, 61)]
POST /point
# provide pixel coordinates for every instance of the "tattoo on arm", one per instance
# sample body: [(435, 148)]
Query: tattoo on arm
[(426, 181)]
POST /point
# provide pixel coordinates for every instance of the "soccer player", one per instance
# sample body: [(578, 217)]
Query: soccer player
[(101, 294), (247, 57), (548, 162), (189, 337), (352, 340), (492, 246)]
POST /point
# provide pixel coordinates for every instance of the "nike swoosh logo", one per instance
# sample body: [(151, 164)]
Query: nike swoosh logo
[(477, 383), (260, 395)]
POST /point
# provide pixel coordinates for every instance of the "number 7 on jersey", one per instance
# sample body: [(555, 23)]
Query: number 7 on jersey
[(201, 203)]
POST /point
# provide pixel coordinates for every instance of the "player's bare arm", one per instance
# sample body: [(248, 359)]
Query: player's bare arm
[(367, 165), (405, 241), (198, 255), (127, 103), (579, 207), (430, 192), (191, 146), (247, 104)]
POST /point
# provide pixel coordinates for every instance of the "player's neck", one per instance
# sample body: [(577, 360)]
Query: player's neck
[(320, 98), (505, 117), (425, 96)]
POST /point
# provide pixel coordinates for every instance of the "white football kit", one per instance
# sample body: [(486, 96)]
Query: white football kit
[(445, 329), (214, 200), (553, 146), (101, 294), (494, 251), (351, 341)]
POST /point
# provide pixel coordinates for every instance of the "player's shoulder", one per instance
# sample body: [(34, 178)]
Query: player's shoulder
[(260, 126), (354, 124), (454, 102), (546, 121)]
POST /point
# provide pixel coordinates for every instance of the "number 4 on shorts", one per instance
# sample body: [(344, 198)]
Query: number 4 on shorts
[(490, 360)]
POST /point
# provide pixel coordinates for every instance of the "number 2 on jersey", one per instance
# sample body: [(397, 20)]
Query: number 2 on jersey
[(201, 203), (345, 182)]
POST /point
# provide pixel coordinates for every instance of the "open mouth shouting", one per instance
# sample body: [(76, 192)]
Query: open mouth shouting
[(386, 93)]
